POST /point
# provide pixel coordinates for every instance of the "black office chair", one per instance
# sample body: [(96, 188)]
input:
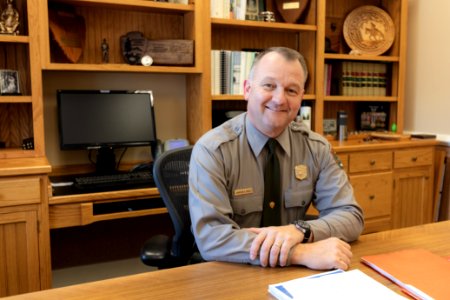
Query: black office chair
[(170, 171)]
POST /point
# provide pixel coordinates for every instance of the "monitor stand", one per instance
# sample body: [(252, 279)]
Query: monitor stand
[(106, 161)]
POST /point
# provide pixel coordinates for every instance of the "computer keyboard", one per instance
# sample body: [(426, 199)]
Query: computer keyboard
[(137, 179)]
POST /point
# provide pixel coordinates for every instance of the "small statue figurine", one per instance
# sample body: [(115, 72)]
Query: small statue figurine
[(9, 19), (105, 51)]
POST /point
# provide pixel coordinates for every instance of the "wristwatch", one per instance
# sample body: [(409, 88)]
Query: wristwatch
[(304, 228)]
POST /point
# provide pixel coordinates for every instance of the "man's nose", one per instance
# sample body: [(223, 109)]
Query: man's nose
[(279, 96)]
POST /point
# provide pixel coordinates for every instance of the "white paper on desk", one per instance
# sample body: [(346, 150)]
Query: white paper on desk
[(336, 284)]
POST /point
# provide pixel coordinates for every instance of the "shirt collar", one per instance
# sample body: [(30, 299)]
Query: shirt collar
[(258, 140)]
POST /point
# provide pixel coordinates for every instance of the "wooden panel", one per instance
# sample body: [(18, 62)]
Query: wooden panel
[(20, 190), (374, 193), (111, 23), (67, 215), (16, 123), (64, 215), (241, 38), (413, 199), (413, 158), (370, 161), (19, 260), (444, 205), (15, 57)]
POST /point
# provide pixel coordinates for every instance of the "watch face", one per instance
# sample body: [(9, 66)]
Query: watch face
[(146, 60), (305, 228), (303, 225)]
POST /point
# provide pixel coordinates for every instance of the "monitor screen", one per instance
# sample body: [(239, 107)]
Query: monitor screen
[(105, 119)]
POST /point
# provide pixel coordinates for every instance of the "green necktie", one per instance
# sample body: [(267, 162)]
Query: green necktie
[(271, 215)]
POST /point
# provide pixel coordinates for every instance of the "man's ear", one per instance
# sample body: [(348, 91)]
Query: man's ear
[(247, 88)]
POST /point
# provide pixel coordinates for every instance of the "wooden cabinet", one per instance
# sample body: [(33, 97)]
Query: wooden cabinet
[(21, 116), (24, 230), (323, 20), (240, 35), (371, 176), (393, 181), (394, 59), (413, 187), (111, 19), (20, 259)]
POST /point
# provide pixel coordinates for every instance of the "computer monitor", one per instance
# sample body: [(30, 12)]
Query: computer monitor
[(105, 120)]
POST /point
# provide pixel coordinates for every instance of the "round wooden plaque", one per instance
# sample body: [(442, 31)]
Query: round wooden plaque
[(369, 30)]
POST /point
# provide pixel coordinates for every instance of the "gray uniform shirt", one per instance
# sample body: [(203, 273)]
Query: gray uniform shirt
[(226, 195)]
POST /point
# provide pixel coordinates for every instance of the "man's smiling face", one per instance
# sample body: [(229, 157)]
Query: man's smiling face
[(274, 93)]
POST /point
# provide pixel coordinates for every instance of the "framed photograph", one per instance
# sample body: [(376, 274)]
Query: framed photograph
[(9, 82)]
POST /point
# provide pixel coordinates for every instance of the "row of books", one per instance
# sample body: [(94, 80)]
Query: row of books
[(363, 79), (229, 69), (237, 9), (356, 79)]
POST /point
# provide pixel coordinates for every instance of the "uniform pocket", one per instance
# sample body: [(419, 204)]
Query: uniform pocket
[(298, 198), (244, 205)]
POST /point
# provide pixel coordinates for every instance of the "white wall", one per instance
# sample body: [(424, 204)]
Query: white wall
[(427, 97)]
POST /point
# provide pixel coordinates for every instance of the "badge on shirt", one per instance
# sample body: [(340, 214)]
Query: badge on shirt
[(301, 172)]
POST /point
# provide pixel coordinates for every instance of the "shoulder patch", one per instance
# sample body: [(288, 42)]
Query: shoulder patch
[(336, 158)]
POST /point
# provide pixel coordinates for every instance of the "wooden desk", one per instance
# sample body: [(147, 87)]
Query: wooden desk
[(217, 280)]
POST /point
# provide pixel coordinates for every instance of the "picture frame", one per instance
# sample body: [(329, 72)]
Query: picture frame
[(9, 82)]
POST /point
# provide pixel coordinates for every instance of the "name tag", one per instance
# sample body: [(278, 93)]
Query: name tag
[(243, 191)]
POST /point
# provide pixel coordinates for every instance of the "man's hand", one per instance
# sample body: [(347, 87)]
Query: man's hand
[(331, 253), (273, 244)]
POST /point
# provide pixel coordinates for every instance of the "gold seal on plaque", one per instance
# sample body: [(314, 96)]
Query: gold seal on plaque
[(301, 172), (272, 204)]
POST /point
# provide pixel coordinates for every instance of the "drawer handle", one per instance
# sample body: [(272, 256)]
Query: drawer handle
[(414, 159), (371, 197), (372, 162)]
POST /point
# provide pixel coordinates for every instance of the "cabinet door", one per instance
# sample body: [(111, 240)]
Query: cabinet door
[(413, 200), (19, 259), (374, 194)]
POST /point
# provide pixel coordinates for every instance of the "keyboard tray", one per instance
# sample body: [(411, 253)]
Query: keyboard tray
[(68, 185)]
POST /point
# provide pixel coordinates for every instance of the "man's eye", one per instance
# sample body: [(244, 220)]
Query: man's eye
[(269, 86), (292, 92)]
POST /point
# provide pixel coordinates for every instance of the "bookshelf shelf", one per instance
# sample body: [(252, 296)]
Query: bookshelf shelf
[(360, 99), (133, 4), (120, 68), (16, 99), (228, 97), (361, 57), (230, 23), (14, 39)]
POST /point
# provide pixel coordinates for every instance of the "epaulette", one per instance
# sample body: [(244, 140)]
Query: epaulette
[(305, 131)]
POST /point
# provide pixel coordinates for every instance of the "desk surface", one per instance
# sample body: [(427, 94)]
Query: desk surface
[(217, 280)]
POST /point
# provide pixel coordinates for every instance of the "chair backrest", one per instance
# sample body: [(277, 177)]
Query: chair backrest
[(171, 174)]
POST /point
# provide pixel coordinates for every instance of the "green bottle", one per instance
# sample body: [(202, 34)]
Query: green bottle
[(394, 127)]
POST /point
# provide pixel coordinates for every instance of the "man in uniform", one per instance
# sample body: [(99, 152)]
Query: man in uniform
[(231, 218)]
